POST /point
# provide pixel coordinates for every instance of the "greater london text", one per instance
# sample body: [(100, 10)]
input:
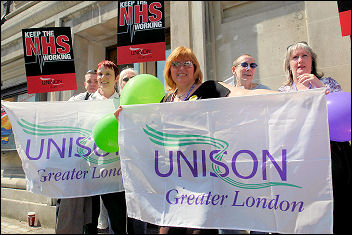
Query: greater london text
[(174, 197)]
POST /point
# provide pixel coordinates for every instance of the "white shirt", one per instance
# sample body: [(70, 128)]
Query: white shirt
[(80, 96), (96, 96)]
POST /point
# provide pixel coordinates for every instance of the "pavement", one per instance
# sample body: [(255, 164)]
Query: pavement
[(13, 226)]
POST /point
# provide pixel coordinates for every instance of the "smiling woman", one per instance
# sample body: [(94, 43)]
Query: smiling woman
[(184, 77), (108, 76)]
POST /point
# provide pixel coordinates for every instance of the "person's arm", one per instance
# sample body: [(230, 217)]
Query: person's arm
[(236, 91), (117, 112)]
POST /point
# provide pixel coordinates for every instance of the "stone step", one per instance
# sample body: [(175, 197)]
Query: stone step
[(24, 195), (18, 209)]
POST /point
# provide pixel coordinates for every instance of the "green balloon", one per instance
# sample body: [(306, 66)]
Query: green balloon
[(105, 133), (142, 89)]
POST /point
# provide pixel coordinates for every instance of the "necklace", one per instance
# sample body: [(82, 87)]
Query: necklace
[(189, 91)]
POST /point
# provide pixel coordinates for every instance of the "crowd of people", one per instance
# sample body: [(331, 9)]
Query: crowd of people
[(184, 78)]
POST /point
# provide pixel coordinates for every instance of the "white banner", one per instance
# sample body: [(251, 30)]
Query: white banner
[(258, 163), (55, 143)]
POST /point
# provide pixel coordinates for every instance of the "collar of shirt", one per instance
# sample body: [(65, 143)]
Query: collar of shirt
[(96, 96)]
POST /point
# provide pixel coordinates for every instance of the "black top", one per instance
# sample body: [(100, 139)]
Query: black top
[(208, 89)]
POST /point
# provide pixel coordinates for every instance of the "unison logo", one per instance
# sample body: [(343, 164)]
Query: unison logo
[(217, 157), (64, 147)]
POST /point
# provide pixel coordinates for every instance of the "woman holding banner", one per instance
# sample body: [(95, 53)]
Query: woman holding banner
[(300, 64), (115, 204), (184, 77)]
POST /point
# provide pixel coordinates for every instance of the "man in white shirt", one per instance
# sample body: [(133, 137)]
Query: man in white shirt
[(91, 84)]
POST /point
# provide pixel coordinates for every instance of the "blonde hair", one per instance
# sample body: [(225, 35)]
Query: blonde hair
[(292, 48), (182, 53)]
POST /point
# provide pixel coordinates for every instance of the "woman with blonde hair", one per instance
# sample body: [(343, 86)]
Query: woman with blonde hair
[(300, 63), (185, 81)]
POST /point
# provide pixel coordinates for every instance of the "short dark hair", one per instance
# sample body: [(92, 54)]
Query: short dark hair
[(91, 71)]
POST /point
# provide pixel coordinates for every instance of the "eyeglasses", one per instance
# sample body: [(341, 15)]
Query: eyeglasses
[(91, 71), (177, 64), (297, 43), (245, 65), (126, 79)]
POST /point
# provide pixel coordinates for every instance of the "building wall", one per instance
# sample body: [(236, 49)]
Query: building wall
[(265, 29), (218, 32)]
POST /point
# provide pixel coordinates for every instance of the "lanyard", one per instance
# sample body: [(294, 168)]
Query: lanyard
[(189, 91)]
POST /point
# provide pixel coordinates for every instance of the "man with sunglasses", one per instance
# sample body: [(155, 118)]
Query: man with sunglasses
[(243, 71), (125, 75)]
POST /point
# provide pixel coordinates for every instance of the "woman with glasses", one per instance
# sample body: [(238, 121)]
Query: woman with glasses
[(185, 81), (243, 71), (300, 64), (184, 77)]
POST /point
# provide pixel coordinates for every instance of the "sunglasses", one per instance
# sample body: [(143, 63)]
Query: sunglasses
[(245, 65), (187, 64), (296, 44), (126, 79)]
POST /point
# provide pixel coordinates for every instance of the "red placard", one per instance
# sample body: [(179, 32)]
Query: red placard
[(344, 8), (141, 53), (50, 83), (345, 22)]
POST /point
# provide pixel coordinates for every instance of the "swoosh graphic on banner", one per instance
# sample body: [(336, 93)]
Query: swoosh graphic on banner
[(172, 140), (41, 130)]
